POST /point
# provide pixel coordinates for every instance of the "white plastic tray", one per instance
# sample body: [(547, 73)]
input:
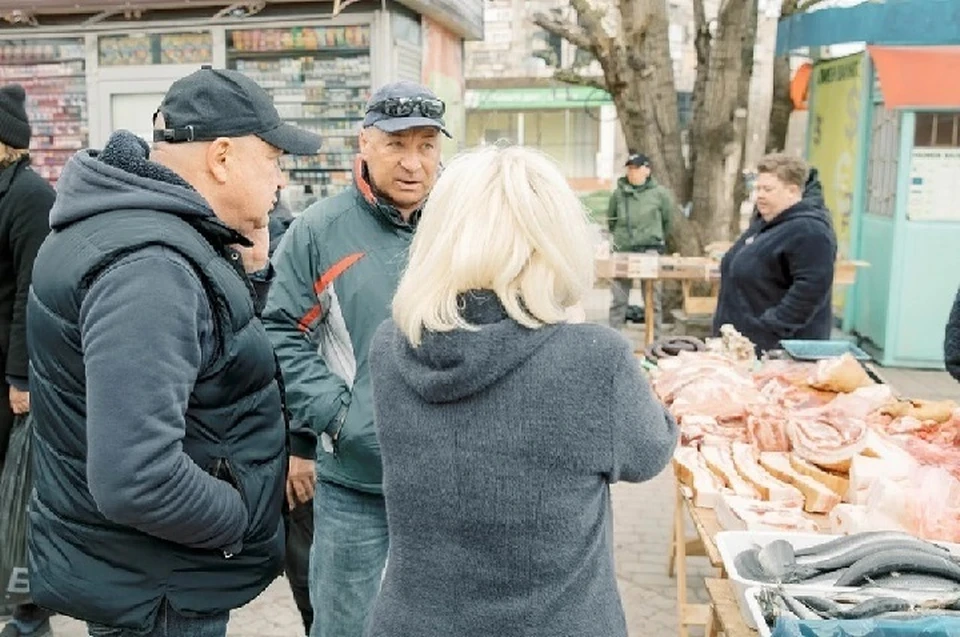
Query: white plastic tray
[(732, 543)]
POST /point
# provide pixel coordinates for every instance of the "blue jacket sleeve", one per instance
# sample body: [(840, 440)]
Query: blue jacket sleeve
[(144, 324)]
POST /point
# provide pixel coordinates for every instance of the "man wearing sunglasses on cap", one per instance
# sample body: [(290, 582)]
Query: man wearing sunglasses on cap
[(335, 275)]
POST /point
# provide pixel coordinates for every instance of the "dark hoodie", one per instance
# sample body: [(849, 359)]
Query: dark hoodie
[(776, 281), (499, 446), (161, 458)]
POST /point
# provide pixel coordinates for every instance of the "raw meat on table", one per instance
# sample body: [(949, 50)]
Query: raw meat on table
[(720, 461), (746, 462), (767, 428), (829, 442), (692, 471), (817, 497)]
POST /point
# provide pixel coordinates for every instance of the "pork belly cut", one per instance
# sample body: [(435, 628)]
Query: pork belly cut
[(817, 497), (692, 471), (720, 461), (769, 487)]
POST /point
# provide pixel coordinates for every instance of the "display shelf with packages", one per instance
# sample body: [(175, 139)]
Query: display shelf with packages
[(319, 79), (53, 75)]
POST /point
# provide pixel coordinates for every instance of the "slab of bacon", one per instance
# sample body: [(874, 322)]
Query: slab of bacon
[(720, 462), (817, 497), (827, 441), (770, 488), (767, 427)]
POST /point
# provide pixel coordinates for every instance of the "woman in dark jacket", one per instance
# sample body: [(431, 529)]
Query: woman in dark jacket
[(951, 340), (25, 202), (501, 423), (776, 281)]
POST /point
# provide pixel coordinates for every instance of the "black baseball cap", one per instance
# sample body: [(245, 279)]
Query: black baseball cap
[(212, 103), (637, 160), (386, 105)]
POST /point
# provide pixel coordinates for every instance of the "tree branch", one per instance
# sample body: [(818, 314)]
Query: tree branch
[(572, 34), (806, 5), (702, 37), (568, 76)]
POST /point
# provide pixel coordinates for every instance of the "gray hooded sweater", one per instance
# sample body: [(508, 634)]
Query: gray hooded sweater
[(499, 447)]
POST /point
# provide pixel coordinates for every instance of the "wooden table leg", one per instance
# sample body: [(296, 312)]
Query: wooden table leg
[(649, 313), (680, 555)]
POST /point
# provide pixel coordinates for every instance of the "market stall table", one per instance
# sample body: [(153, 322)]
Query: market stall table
[(704, 545), (725, 612)]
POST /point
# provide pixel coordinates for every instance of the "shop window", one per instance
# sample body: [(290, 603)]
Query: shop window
[(937, 129), (188, 47), (320, 80), (882, 167), (53, 74)]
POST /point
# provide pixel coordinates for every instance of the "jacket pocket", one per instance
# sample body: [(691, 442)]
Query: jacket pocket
[(262, 490)]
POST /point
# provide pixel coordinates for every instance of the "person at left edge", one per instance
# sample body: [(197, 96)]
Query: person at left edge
[(160, 433)]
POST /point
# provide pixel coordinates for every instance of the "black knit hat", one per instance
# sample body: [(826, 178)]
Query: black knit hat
[(14, 125)]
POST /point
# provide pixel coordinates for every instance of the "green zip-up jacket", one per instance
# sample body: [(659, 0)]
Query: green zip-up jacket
[(640, 217), (336, 271)]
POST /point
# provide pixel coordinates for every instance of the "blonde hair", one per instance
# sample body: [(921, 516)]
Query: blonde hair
[(10, 155), (501, 219)]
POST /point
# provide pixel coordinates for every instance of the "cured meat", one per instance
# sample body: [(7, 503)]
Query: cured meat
[(735, 513), (859, 403), (705, 430), (692, 471), (817, 497), (720, 462), (841, 374), (839, 484), (767, 428), (745, 461), (829, 443)]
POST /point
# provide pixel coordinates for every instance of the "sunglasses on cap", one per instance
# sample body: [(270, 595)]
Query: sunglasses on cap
[(431, 107)]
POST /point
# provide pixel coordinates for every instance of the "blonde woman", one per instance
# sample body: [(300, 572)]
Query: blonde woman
[(501, 423)]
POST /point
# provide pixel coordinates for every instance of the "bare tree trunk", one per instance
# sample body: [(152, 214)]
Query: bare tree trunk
[(720, 128), (652, 125), (781, 107)]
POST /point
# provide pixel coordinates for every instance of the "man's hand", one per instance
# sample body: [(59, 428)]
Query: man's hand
[(19, 401), (301, 481), (257, 257)]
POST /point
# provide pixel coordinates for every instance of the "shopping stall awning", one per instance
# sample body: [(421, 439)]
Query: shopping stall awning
[(517, 99), (918, 77)]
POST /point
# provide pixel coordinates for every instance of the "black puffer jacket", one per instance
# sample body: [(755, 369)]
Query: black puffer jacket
[(25, 201), (951, 340), (776, 281)]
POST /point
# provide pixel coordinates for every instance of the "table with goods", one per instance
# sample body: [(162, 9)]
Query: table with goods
[(649, 267), (829, 504)]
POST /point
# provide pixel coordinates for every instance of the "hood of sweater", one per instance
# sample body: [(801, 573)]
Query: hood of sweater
[(450, 366)]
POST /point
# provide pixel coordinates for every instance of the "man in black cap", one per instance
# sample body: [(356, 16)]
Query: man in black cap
[(336, 272), (25, 201), (639, 216), (160, 436)]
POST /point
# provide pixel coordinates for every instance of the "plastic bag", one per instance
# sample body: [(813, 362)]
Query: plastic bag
[(15, 487), (922, 627)]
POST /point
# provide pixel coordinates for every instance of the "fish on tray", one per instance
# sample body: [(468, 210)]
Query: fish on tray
[(774, 603), (873, 557)]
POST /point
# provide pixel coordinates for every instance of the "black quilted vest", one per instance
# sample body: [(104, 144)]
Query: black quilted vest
[(82, 564)]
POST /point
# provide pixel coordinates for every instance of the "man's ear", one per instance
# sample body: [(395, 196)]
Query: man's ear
[(365, 142), (218, 153)]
